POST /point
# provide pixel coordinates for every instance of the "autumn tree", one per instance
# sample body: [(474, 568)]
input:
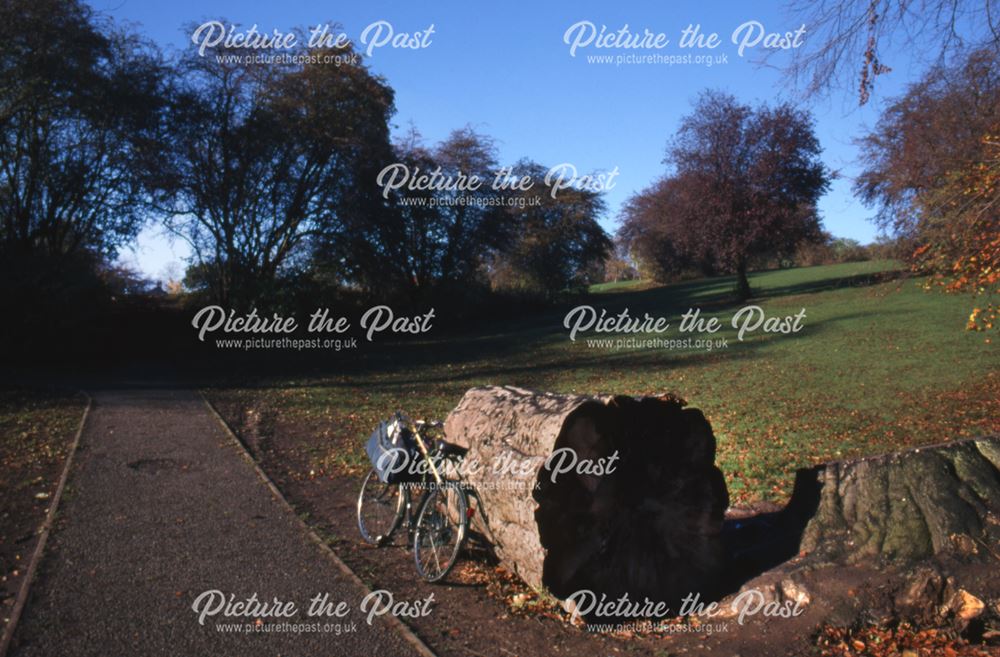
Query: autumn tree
[(656, 230), (932, 166), (961, 233), (262, 157), (556, 241), (619, 265), (744, 184)]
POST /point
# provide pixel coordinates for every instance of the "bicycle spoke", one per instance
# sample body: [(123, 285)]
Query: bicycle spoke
[(379, 509), (440, 530), (434, 551)]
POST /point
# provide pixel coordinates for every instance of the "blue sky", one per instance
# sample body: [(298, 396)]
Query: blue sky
[(504, 69)]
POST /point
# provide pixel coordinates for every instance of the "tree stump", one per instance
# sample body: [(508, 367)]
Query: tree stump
[(911, 535), (906, 506), (649, 528)]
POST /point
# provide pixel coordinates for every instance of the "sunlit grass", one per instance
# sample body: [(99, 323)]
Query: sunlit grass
[(880, 364)]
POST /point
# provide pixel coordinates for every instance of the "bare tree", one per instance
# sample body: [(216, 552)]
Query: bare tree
[(79, 105), (848, 39)]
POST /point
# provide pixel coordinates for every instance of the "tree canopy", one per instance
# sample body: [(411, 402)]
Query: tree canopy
[(744, 183), (932, 168), (79, 117), (262, 157)]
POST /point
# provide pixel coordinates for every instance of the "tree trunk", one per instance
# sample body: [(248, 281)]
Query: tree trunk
[(743, 291), (906, 506), (920, 527), (648, 526)]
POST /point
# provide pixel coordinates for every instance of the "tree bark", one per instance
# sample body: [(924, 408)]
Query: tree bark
[(920, 528), (743, 291), (906, 506), (650, 527)]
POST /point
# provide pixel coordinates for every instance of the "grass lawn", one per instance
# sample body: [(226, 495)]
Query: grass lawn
[(879, 365)]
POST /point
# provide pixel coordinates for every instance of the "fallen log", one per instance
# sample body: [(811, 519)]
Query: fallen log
[(642, 516)]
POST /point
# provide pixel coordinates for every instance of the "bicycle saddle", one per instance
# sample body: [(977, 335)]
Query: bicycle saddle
[(450, 449)]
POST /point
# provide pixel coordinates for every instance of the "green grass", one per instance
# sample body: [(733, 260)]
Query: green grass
[(879, 365), (618, 286)]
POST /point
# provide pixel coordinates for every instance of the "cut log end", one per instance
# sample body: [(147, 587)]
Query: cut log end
[(643, 519)]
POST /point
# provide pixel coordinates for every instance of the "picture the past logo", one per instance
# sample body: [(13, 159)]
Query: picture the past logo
[(377, 35)]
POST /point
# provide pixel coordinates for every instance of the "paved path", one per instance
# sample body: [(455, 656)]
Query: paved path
[(161, 506)]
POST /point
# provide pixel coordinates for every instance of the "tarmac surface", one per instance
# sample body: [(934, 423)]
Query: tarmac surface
[(161, 506)]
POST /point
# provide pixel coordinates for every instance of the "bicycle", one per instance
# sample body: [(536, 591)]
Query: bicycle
[(438, 528)]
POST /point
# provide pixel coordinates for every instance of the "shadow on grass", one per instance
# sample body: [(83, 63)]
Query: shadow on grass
[(500, 364), (857, 280), (524, 346), (513, 338), (717, 294)]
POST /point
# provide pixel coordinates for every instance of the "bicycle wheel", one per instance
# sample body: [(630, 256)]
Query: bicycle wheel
[(442, 523), (380, 509)]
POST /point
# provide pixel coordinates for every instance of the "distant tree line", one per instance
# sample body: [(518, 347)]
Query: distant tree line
[(268, 170)]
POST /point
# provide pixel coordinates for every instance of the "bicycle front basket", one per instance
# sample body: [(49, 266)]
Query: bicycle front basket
[(391, 456)]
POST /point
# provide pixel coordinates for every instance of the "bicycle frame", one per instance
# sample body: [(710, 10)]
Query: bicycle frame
[(432, 482), (420, 424)]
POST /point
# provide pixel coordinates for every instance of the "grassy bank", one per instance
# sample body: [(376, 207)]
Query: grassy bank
[(878, 365)]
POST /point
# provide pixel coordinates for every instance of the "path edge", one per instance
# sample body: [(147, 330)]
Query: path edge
[(43, 536), (401, 627)]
